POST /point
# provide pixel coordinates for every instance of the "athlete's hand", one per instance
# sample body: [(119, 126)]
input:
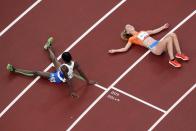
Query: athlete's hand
[(111, 51), (91, 82), (165, 26), (74, 95)]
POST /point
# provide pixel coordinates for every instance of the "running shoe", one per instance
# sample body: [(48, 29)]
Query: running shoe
[(182, 56), (48, 43), (175, 63), (10, 68)]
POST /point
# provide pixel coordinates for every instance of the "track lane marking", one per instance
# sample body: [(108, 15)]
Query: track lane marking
[(68, 49), (19, 17), (124, 73), (139, 100), (172, 107)]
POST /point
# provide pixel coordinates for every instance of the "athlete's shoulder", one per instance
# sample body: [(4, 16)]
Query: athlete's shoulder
[(131, 39), (76, 64), (64, 68)]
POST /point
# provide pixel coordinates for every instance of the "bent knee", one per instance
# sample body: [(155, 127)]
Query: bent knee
[(157, 52), (167, 38), (173, 34)]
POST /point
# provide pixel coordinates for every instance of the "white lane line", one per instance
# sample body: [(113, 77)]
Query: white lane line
[(140, 100), (86, 111), (145, 54), (19, 96), (172, 107), (119, 78), (106, 90), (132, 97), (101, 87), (69, 48), (82, 79), (19, 17)]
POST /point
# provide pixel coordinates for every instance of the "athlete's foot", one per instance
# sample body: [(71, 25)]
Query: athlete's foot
[(10, 68), (182, 57), (175, 63), (48, 43)]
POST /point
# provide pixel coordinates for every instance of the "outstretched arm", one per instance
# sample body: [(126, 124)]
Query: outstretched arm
[(155, 31), (124, 49), (69, 83), (77, 67)]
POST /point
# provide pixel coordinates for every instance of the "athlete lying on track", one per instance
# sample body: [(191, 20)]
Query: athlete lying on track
[(64, 72), (143, 38)]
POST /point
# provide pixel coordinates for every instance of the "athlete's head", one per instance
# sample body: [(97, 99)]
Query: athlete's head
[(127, 32), (129, 29), (66, 56)]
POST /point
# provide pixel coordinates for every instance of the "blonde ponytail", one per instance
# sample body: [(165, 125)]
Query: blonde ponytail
[(124, 35)]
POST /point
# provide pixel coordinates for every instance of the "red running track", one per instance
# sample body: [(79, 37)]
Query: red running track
[(48, 107), (11, 9)]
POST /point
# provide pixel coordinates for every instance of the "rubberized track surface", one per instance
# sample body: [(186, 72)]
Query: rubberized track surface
[(136, 101)]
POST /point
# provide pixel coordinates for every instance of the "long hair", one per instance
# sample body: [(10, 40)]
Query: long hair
[(124, 35)]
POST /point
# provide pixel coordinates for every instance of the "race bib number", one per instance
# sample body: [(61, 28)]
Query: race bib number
[(52, 79), (142, 35)]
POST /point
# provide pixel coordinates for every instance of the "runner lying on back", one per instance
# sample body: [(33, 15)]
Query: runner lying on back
[(143, 38)]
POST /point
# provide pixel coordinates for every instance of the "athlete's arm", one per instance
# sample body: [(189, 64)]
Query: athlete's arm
[(155, 31), (69, 82), (124, 49), (79, 70)]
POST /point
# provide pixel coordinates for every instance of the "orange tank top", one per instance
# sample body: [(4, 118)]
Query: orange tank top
[(138, 38)]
